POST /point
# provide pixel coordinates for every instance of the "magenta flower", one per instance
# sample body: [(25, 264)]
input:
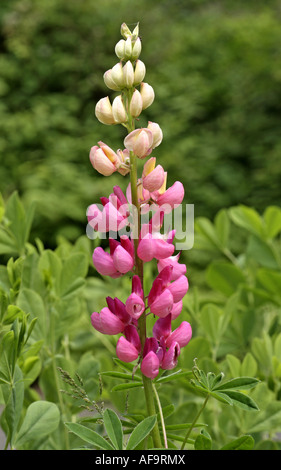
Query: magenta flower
[(114, 214), (112, 319), (135, 302), (164, 294), (178, 268), (128, 348), (119, 261), (153, 244)]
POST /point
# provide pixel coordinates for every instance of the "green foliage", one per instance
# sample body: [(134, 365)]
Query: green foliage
[(217, 83)]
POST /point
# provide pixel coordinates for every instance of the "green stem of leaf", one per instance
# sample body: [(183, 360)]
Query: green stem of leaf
[(194, 422)]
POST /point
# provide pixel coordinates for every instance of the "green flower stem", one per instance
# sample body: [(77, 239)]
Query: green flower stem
[(194, 421), (147, 383)]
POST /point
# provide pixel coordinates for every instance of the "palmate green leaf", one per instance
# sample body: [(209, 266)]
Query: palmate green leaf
[(88, 435), (242, 443), (241, 383), (247, 218), (41, 419), (113, 428), (272, 219), (141, 432)]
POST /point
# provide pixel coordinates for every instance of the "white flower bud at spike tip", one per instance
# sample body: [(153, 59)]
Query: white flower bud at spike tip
[(107, 77), (136, 49), (118, 110), (117, 75), (147, 94), (139, 72), (128, 74), (157, 133), (103, 111), (120, 49), (136, 104), (128, 49)]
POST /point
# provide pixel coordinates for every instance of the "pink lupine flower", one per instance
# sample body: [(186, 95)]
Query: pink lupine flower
[(153, 244), (178, 268), (106, 161), (165, 295), (139, 141), (152, 358), (113, 216), (170, 358), (152, 177), (135, 302), (112, 319), (119, 261), (162, 330), (172, 197), (128, 348)]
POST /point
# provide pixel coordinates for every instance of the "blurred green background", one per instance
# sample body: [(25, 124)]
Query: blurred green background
[(216, 71)]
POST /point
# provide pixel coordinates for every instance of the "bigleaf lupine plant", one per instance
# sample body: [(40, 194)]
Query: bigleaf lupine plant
[(141, 208)]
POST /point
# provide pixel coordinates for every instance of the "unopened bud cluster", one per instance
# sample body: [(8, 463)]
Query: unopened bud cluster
[(125, 77)]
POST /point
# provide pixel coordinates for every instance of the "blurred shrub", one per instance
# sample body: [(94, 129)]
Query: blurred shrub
[(215, 72)]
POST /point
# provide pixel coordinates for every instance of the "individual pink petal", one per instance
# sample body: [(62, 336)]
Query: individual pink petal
[(170, 359), (120, 311), (163, 304), (162, 327), (106, 322), (176, 310), (178, 268), (179, 288), (150, 365), (135, 305), (132, 336), (150, 248), (173, 196), (154, 180), (136, 286), (122, 260), (125, 350), (182, 335), (104, 263)]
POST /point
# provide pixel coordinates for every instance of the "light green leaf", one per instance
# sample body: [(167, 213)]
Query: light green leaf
[(272, 218), (89, 436), (241, 400), (122, 387), (41, 419), (247, 218), (242, 443), (203, 442), (141, 432), (241, 383), (113, 428), (224, 277)]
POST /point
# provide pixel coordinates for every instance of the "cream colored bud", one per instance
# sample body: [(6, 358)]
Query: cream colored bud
[(136, 49), (139, 72), (118, 110), (147, 94), (128, 49), (135, 33), (108, 80), (128, 74), (157, 133), (125, 31), (136, 104), (117, 75), (103, 111), (120, 49)]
